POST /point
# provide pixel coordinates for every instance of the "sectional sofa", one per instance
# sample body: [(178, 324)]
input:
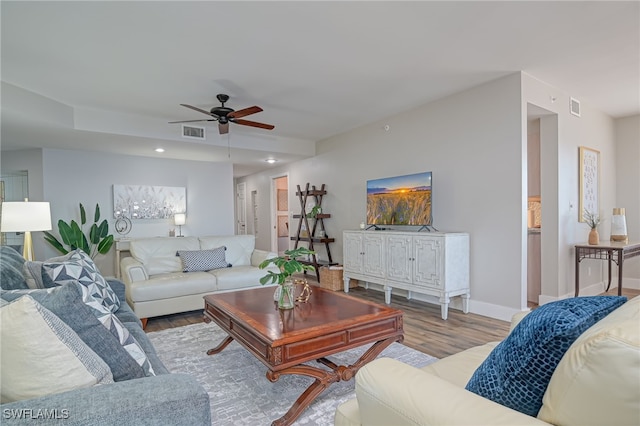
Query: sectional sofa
[(62, 364), (167, 275), (527, 379)]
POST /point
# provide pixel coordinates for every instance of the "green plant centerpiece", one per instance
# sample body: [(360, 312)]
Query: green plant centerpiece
[(98, 240), (287, 265)]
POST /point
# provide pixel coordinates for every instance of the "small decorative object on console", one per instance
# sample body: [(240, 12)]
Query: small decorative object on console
[(619, 225)]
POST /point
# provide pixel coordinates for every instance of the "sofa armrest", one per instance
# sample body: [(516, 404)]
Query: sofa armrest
[(175, 399), (259, 256), (390, 392), (132, 270)]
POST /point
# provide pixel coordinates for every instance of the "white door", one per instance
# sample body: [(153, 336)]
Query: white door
[(241, 209), (254, 206)]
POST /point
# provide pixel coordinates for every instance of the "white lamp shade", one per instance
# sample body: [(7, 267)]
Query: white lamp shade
[(23, 216), (179, 218)]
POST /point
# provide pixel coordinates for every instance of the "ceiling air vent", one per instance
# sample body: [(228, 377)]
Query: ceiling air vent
[(574, 106), (193, 132)]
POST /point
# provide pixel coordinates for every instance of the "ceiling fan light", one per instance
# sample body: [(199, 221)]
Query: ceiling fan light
[(271, 160), (160, 150)]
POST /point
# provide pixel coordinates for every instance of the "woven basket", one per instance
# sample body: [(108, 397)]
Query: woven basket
[(331, 278)]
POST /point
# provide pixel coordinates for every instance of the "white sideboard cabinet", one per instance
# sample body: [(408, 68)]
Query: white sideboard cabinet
[(434, 263)]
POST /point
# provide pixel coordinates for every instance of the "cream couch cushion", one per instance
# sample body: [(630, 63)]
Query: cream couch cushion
[(458, 368), (597, 382), (237, 277), (170, 285), (239, 247), (158, 254)]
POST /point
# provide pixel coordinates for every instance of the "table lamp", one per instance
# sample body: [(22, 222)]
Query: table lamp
[(25, 216), (180, 219), (619, 225)]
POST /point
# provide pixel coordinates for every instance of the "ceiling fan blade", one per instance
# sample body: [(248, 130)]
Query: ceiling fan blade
[(255, 124), (223, 128), (199, 110), (192, 121), (244, 112)]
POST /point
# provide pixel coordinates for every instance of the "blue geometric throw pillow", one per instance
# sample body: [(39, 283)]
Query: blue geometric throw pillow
[(80, 268), (516, 373)]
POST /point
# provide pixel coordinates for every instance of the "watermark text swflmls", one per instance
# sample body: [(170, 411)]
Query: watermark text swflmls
[(35, 414)]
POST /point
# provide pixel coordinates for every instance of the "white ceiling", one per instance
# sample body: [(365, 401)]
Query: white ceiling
[(108, 76)]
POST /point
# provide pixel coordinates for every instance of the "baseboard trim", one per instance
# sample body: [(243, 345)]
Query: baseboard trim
[(492, 311)]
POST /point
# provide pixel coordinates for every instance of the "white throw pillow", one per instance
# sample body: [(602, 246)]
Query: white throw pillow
[(41, 355)]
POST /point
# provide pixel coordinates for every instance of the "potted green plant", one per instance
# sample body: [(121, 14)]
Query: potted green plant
[(593, 220), (98, 240), (287, 265)]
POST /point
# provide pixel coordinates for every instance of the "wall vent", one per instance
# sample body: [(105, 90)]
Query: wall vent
[(574, 106), (193, 132)]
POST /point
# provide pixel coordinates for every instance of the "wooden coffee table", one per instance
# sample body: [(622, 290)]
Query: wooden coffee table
[(283, 340)]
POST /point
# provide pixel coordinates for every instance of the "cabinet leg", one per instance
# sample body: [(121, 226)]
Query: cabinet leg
[(346, 283), (465, 303), (409, 295), (387, 295), (444, 307)]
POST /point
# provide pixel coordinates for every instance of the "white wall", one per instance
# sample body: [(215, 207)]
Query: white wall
[(69, 177), (560, 181), (628, 188), (472, 143), (475, 144)]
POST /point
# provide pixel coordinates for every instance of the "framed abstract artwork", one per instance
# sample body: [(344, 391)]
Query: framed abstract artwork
[(148, 202), (589, 198)]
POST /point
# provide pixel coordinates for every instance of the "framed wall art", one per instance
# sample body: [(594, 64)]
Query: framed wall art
[(589, 198), (148, 202)]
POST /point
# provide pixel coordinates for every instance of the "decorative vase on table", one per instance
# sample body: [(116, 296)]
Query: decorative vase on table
[(594, 238), (285, 295)]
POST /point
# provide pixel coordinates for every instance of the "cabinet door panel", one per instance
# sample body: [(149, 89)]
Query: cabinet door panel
[(399, 258), (353, 260), (374, 260), (428, 262)]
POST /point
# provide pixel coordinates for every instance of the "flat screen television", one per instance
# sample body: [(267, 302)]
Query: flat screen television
[(400, 200)]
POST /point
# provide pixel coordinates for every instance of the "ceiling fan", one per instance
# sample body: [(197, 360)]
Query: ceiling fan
[(224, 115)]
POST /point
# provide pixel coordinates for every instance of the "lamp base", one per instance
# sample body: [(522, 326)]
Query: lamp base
[(27, 250)]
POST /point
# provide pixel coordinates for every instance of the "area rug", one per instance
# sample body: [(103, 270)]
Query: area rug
[(239, 391)]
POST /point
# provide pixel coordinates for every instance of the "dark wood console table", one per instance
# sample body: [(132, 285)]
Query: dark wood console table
[(609, 251)]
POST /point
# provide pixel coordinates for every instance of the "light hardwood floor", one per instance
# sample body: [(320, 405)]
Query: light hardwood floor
[(424, 330)]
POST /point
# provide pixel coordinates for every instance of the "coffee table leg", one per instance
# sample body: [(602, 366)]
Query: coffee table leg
[(324, 378), (221, 346)]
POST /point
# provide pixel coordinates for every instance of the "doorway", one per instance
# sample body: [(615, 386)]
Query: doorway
[(541, 209), (241, 209), (280, 213)]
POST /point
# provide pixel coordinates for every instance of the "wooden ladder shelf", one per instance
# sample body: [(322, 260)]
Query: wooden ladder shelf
[(314, 227)]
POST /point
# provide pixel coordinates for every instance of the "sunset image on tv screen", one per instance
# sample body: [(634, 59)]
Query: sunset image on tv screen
[(400, 200)]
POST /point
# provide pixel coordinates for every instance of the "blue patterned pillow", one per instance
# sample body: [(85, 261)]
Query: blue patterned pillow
[(203, 260), (516, 373), (80, 268)]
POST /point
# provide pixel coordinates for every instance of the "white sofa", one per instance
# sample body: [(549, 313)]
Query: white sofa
[(156, 284), (597, 382)]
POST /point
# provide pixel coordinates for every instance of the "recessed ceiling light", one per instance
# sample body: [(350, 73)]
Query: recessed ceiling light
[(159, 149), (270, 160)]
